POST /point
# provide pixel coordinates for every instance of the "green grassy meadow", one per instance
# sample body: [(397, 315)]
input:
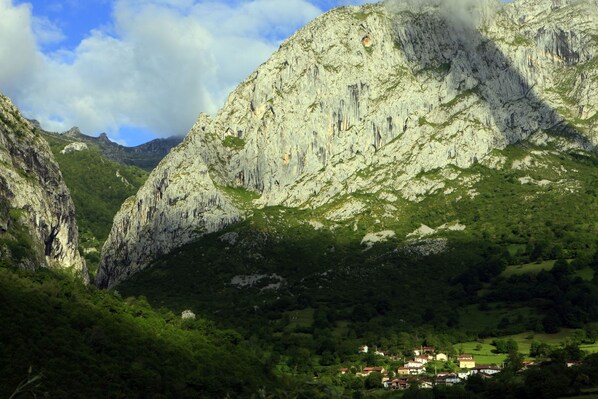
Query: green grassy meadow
[(484, 352), (528, 268)]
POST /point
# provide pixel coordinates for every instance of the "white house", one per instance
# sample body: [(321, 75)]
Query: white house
[(463, 374), (413, 368), (423, 359), (486, 369), (447, 379), (466, 361)]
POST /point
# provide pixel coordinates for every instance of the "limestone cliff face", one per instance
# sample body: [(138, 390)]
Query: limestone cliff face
[(33, 196), (365, 99), (178, 203)]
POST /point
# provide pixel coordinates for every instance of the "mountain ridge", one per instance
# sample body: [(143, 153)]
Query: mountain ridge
[(146, 155)]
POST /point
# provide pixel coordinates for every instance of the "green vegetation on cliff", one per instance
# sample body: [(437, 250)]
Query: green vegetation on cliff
[(16, 244)]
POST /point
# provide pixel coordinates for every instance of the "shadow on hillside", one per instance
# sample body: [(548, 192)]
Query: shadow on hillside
[(92, 344), (252, 284), (472, 63)]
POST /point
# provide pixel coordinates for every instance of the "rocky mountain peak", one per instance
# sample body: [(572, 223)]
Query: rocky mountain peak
[(366, 100), (73, 132)]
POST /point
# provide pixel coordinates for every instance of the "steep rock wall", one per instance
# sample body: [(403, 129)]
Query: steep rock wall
[(33, 196)]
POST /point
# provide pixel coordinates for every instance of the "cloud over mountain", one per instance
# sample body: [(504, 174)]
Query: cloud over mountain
[(464, 12)]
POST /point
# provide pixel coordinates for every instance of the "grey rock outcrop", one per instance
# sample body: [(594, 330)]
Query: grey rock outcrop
[(74, 147), (365, 99), (33, 195)]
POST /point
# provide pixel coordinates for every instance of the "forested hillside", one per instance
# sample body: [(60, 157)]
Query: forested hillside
[(74, 341)]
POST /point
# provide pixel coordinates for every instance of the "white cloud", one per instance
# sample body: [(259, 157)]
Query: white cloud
[(46, 31), (18, 50), (156, 66), (465, 13)]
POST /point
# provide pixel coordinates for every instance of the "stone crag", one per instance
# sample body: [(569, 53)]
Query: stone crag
[(365, 99), (34, 198)]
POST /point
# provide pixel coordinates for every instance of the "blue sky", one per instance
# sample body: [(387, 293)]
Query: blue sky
[(137, 69), (71, 21)]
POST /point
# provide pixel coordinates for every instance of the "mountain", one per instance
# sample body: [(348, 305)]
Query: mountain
[(390, 177), (145, 156), (372, 123), (118, 173), (37, 216)]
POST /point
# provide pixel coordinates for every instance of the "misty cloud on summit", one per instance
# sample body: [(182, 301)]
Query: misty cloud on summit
[(468, 13)]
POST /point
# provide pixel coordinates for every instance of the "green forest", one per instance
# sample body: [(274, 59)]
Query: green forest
[(77, 342)]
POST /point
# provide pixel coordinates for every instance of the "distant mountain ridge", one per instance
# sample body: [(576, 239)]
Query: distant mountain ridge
[(145, 156)]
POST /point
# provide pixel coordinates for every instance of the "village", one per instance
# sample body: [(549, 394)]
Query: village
[(420, 372)]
